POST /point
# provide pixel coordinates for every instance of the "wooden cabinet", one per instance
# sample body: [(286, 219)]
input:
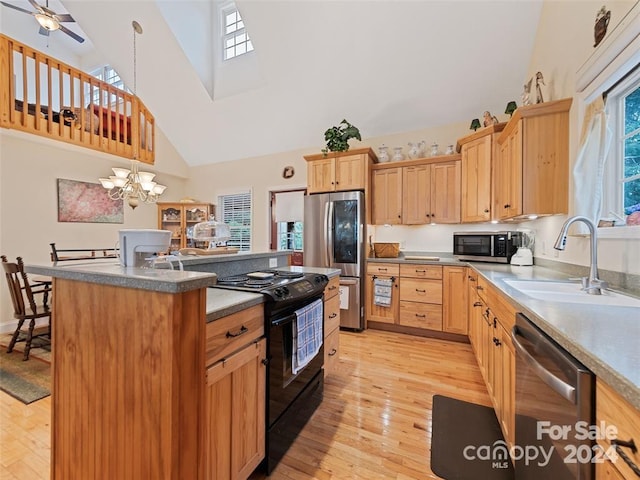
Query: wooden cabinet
[(454, 300), (478, 151), (531, 173), (431, 193), (235, 395), (382, 313), (416, 195), (178, 217), (421, 296), (491, 318), (614, 411), (386, 187), (331, 326), (339, 171), (417, 192)]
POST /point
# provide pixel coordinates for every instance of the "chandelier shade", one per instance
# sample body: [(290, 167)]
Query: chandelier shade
[(132, 185)]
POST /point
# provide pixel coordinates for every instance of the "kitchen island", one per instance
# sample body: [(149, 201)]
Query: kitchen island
[(128, 371)]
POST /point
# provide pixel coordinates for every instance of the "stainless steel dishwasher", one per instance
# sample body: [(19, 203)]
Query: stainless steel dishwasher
[(554, 407)]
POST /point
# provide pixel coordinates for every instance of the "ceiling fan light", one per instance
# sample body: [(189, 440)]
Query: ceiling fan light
[(47, 22)]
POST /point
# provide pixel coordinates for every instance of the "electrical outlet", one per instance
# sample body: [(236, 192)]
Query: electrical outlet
[(403, 245), (273, 262)]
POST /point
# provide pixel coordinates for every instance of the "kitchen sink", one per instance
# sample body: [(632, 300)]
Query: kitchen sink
[(570, 292)]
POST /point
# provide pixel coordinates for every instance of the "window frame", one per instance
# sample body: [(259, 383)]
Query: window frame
[(224, 12), (614, 180), (615, 57), (223, 216)]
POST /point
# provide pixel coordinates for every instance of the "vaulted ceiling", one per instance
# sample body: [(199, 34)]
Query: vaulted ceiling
[(386, 66)]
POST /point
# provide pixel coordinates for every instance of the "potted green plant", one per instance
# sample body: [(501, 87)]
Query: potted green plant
[(337, 138)]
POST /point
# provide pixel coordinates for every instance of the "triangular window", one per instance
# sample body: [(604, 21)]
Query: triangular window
[(236, 40)]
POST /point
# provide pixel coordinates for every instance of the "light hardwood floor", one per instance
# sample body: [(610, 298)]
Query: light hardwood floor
[(374, 422)]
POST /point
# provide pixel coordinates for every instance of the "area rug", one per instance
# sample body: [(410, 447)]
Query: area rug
[(27, 381), (467, 443)]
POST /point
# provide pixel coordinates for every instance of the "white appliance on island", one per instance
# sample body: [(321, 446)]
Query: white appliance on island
[(333, 238)]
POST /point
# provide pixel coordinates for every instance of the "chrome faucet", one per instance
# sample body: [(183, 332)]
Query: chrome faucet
[(591, 284)]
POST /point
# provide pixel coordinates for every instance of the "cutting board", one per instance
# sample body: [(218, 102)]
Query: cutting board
[(422, 257)]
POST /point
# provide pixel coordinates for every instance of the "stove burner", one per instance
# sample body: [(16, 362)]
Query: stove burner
[(235, 280), (258, 282), (284, 274)]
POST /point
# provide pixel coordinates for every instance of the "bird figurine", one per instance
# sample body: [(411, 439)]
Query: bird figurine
[(539, 82), (489, 119)]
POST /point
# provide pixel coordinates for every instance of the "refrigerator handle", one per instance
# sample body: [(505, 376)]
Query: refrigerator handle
[(329, 233)]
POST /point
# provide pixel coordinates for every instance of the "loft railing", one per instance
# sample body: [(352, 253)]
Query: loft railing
[(43, 96)]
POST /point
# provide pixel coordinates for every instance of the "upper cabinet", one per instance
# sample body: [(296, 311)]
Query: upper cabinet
[(531, 172), (478, 151), (417, 192), (339, 171)]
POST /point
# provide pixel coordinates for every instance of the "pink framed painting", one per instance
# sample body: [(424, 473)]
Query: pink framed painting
[(86, 202)]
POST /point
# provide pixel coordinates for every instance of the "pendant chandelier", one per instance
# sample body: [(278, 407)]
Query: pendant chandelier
[(133, 185)]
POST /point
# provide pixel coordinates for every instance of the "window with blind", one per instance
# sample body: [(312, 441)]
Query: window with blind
[(235, 211)]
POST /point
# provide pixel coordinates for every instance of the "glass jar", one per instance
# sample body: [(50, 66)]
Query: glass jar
[(450, 150), (397, 154), (383, 153), (434, 149)]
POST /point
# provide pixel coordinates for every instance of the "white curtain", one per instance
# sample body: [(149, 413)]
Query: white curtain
[(588, 171)]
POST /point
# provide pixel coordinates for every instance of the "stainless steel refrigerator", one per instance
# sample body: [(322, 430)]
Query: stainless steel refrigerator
[(334, 230)]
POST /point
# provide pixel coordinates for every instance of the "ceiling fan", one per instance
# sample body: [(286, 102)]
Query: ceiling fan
[(48, 19)]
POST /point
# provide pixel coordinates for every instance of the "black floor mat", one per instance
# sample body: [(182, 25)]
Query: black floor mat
[(467, 443)]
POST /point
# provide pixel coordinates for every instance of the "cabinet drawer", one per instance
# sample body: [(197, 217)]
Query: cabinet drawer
[(226, 335), (615, 411), (331, 314), (383, 269), (421, 315), (421, 290), (421, 271), (331, 351), (332, 288)]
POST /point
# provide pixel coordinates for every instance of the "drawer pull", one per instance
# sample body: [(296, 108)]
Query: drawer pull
[(618, 444), (242, 331), (382, 269), (332, 352), (332, 287), (477, 304), (264, 361), (479, 287), (420, 291), (421, 271), (421, 315), (333, 315)]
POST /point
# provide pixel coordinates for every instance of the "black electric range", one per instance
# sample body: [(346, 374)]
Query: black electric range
[(292, 398)]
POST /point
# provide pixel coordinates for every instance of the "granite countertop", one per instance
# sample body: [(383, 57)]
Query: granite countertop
[(603, 337), (110, 272)]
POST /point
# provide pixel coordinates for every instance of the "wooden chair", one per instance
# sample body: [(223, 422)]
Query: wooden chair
[(30, 302), (80, 253)]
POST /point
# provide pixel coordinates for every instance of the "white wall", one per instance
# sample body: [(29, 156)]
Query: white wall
[(29, 167)]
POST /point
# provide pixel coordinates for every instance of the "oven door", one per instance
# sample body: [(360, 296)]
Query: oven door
[(284, 385)]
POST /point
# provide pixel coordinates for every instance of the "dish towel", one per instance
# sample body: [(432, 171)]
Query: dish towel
[(382, 288), (307, 334)]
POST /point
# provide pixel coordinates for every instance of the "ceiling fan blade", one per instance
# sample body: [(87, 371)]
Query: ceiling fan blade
[(64, 17), (36, 6), (16, 8), (43, 31), (73, 35)]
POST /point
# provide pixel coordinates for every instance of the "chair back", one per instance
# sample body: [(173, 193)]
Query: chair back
[(20, 289), (80, 253)]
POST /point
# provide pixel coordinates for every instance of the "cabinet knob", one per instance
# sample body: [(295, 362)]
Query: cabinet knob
[(507, 206), (264, 361), (486, 210), (332, 352)]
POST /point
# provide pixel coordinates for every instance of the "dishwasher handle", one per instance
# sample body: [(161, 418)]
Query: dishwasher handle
[(561, 387)]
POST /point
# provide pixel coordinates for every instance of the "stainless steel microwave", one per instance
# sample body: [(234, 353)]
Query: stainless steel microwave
[(496, 247)]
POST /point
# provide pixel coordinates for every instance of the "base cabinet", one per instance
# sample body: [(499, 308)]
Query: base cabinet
[(331, 326), (490, 322), (235, 406), (235, 395)]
